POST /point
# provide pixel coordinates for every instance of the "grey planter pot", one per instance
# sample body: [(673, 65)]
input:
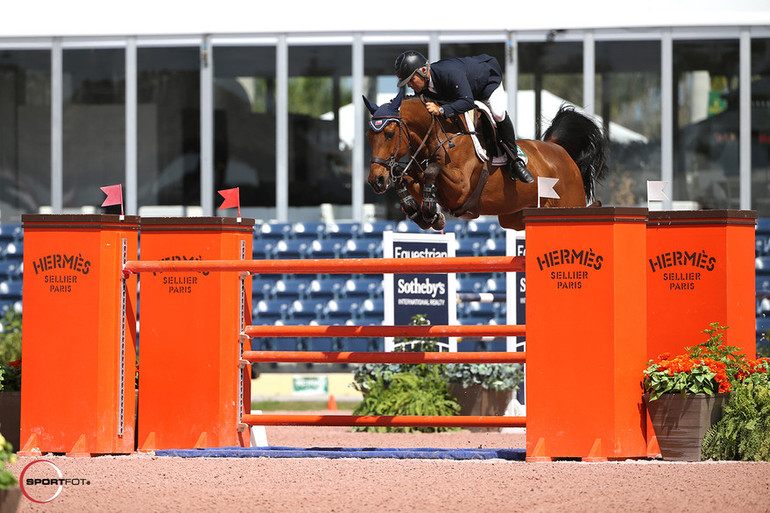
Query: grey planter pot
[(681, 421)]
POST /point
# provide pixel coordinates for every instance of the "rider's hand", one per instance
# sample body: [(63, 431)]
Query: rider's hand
[(432, 108)]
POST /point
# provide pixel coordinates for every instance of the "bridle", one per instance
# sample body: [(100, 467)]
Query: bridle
[(392, 163)]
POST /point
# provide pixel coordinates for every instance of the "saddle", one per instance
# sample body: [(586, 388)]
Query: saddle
[(481, 116)]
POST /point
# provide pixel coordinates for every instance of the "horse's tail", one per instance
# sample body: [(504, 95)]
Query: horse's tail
[(584, 141)]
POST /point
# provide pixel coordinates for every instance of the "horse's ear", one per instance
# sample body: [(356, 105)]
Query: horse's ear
[(396, 102), (369, 105)]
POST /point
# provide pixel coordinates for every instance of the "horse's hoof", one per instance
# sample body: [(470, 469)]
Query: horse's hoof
[(423, 223), (439, 222)]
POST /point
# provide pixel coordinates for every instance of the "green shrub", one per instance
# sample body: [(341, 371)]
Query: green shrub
[(10, 351), (10, 336), (423, 391), (491, 376), (405, 389), (743, 433)]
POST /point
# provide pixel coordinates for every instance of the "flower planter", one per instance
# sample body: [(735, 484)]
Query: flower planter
[(9, 499), (10, 416), (681, 421), (477, 400)]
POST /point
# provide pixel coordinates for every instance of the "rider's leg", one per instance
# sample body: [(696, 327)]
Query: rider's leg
[(498, 104), (507, 137)]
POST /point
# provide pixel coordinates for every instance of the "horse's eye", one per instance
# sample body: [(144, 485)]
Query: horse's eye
[(389, 135)]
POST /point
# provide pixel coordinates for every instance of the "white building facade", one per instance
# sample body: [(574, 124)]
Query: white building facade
[(179, 100)]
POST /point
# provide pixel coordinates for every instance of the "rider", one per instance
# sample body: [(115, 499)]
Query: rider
[(458, 82)]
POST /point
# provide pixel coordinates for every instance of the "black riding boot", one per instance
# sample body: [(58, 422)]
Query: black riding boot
[(516, 166)]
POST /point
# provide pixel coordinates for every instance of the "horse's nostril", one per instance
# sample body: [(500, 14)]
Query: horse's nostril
[(380, 180)]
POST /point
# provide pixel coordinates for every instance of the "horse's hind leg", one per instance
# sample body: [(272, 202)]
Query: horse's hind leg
[(513, 221)]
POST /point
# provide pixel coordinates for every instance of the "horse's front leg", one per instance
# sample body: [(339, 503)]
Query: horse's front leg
[(409, 205), (429, 208)]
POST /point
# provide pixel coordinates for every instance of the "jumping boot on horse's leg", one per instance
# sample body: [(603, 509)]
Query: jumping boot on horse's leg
[(429, 207), (516, 166), (410, 208)]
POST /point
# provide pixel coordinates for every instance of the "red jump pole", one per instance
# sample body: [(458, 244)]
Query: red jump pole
[(437, 330), (335, 265), (349, 357), (384, 420)]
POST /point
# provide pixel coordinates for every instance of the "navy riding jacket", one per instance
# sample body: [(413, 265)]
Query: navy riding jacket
[(461, 80)]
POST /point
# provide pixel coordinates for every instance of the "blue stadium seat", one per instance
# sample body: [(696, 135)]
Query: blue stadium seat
[(763, 225), (11, 290), (9, 305), (274, 231), (363, 287), (309, 230), (469, 284), (262, 285), (408, 227), (497, 344), (470, 246), (291, 249), (763, 325), (494, 285), (762, 265), (762, 283), (377, 227), (477, 310), (323, 344), (489, 229), (327, 287), (10, 232), (307, 308), (373, 308), (342, 309), (492, 247), (358, 345), (325, 248), (359, 248), (267, 311), (344, 230), (291, 288), (10, 269), (762, 242), (763, 306), (14, 248), (262, 249)]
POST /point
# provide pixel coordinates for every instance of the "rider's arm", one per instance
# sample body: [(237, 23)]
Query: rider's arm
[(453, 90)]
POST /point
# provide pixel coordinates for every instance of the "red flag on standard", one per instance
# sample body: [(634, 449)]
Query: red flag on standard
[(232, 199), (114, 196)]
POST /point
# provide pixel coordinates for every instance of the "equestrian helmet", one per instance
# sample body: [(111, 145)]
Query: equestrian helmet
[(409, 63)]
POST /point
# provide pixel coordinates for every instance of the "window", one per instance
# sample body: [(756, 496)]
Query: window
[(550, 73), (760, 126), (706, 123), (320, 91), (25, 132), (628, 101), (168, 126), (244, 123), (94, 124)]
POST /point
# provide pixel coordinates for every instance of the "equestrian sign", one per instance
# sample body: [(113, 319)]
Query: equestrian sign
[(428, 294)]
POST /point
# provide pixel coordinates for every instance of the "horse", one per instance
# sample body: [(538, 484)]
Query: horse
[(443, 165)]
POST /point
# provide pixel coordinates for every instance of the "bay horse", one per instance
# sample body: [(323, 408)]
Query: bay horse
[(442, 165)]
